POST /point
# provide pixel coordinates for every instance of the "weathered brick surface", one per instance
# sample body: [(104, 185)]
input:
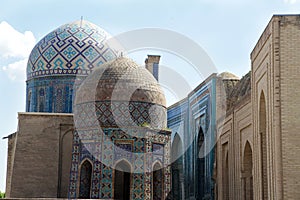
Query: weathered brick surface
[(289, 102), (34, 162), (275, 76), (235, 131)]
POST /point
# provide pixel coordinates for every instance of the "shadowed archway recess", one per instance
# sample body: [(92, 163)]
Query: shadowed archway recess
[(85, 180), (158, 180), (177, 167), (200, 165), (122, 180), (263, 145), (247, 176)]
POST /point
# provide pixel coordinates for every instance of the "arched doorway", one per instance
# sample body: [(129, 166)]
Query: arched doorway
[(177, 167), (225, 176), (85, 180), (65, 164), (200, 165), (263, 145), (122, 180), (247, 173), (157, 183)]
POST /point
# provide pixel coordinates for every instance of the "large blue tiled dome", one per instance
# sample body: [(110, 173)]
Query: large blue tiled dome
[(74, 48), (60, 61)]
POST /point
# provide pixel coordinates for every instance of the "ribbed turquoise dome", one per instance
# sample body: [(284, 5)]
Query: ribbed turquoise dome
[(72, 49)]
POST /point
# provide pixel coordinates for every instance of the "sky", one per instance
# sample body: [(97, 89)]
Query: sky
[(227, 30)]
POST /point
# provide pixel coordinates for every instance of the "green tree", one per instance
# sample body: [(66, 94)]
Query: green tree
[(2, 195)]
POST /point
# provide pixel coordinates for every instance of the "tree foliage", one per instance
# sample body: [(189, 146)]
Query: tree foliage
[(2, 195)]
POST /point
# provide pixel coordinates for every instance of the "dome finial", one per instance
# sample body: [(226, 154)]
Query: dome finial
[(81, 21)]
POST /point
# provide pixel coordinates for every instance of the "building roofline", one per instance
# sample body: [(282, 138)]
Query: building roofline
[(45, 114), (267, 32), (177, 103), (213, 75)]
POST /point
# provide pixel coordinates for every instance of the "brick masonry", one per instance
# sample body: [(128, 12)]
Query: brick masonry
[(39, 163), (274, 83)]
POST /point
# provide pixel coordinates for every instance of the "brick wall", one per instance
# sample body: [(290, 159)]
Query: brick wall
[(269, 120), (34, 163)]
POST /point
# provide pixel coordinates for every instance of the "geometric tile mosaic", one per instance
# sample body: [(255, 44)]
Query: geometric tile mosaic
[(55, 61), (57, 96), (114, 144), (61, 51), (119, 114)]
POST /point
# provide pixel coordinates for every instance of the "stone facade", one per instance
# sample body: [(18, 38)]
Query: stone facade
[(258, 146), (39, 156), (236, 133)]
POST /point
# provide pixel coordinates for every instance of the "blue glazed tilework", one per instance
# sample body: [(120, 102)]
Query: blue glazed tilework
[(74, 48), (50, 94), (108, 148)]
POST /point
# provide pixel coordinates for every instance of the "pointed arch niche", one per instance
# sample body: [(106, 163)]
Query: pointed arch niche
[(200, 165), (263, 145), (41, 102), (59, 103), (158, 181), (122, 180), (85, 179), (247, 176), (177, 167), (225, 173)]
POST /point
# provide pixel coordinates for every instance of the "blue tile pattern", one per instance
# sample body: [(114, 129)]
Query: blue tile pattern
[(108, 146), (57, 95), (60, 59), (186, 118), (60, 51), (115, 114)]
